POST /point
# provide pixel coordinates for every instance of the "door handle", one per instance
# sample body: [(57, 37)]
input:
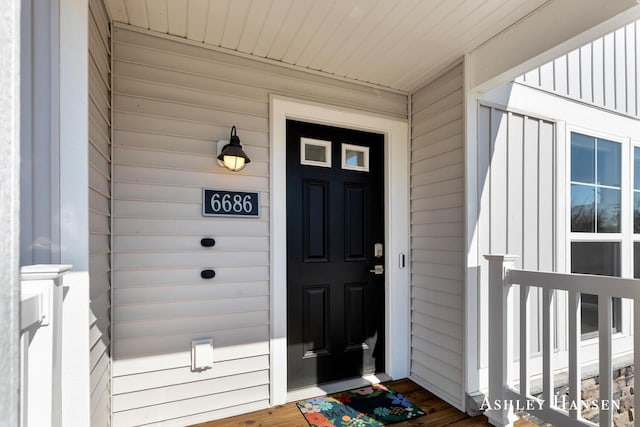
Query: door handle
[(377, 269)]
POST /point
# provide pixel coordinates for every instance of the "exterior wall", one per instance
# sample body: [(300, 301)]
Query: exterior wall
[(516, 194), (546, 237), (603, 73), (172, 101), (99, 211), (437, 236), (594, 89)]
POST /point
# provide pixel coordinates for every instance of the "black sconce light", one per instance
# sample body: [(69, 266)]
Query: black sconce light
[(231, 155)]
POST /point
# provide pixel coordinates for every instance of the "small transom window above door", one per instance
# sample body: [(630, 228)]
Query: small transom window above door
[(355, 157), (315, 152)]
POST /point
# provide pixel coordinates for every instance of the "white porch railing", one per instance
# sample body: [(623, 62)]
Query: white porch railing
[(41, 344), (502, 277)]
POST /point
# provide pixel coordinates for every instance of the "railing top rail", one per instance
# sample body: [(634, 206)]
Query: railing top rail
[(43, 271), (605, 286)]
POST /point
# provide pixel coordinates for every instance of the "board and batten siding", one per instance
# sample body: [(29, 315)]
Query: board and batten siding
[(605, 72), (100, 212), (437, 236), (172, 101), (516, 201)]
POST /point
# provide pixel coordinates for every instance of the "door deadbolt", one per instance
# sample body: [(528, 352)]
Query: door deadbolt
[(377, 250)]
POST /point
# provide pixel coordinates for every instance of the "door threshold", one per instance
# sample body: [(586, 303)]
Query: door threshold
[(336, 386)]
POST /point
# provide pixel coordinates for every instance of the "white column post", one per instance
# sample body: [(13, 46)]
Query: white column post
[(44, 391), (9, 210), (500, 331), (74, 207)]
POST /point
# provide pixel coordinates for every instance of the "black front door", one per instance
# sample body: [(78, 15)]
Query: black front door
[(335, 253)]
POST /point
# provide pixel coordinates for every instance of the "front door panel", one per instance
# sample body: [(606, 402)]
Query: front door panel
[(335, 218)]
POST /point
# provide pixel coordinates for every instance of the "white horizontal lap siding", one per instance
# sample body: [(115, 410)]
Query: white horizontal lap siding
[(516, 193), (100, 211), (172, 101), (437, 229), (604, 72)]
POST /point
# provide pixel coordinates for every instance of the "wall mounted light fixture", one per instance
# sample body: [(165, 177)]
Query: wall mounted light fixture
[(231, 154)]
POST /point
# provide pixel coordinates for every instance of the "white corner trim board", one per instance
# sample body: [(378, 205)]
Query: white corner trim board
[(397, 286)]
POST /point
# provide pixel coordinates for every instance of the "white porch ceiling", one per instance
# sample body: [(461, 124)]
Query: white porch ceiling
[(392, 43)]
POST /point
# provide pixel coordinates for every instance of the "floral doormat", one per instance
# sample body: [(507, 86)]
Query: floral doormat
[(375, 405)]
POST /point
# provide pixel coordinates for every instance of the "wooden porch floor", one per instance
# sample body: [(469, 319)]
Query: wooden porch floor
[(438, 413)]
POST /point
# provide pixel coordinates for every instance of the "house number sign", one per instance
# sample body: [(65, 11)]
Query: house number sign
[(230, 203)]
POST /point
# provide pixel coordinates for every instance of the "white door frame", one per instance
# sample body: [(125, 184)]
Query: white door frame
[(396, 176)]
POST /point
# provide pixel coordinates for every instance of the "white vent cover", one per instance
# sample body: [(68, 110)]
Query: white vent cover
[(202, 354)]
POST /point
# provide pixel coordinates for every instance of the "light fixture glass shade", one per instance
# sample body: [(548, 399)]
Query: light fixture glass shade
[(233, 163), (232, 156)]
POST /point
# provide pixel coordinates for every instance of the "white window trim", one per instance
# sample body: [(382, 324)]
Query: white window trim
[(317, 143), (359, 148), (397, 230), (633, 144), (624, 338)]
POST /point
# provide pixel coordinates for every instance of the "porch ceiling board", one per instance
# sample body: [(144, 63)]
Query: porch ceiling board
[(361, 40)]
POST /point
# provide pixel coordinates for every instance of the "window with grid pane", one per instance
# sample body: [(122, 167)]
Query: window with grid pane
[(595, 211), (595, 185)]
